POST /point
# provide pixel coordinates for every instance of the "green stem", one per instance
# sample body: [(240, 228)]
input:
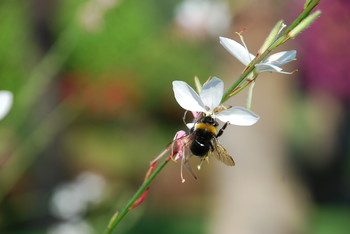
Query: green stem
[(250, 95), (280, 40), (246, 72), (26, 153), (45, 71), (284, 35), (115, 220), (41, 76)]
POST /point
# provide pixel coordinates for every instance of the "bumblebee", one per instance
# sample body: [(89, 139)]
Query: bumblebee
[(204, 142), (201, 141)]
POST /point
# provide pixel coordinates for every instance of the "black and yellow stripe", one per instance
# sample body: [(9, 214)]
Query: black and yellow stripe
[(206, 126)]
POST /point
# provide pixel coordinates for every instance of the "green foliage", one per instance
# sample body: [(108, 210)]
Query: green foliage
[(137, 37), (14, 46), (330, 219), (159, 223)]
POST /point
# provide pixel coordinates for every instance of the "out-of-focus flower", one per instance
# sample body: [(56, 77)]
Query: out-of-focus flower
[(71, 200), (208, 101), (325, 66), (271, 64), (6, 99), (71, 227), (203, 17), (115, 94), (92, 13)]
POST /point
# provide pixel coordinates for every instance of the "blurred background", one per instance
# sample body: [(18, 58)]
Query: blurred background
[(93, 105)]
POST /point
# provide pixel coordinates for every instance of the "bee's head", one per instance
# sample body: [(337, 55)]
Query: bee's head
[(209, 120)]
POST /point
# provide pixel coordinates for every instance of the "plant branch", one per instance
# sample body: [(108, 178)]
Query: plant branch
[(280, 40), (114, 221)]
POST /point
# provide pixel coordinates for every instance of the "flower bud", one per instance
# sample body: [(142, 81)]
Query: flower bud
[(304, 24), (272, 36)]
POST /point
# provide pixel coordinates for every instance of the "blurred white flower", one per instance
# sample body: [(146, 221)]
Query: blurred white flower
[(71, 200), (271, 64), (200, 17), (209, 99), (92, 13), (76, 227), (6, 99)]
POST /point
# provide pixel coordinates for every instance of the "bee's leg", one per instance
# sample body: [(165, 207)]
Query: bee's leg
[(221, 131), (200, 164), (205, 158), (211, 146)]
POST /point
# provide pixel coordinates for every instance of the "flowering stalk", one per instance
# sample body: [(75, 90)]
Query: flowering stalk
[(120, 215), (208, 102), (300, 23)]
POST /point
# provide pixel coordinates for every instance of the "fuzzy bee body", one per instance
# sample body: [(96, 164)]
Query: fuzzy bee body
[(204, 141), (203, 133)]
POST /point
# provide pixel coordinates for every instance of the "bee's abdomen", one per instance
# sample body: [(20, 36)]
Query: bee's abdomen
[(201, 143), (198, 148)]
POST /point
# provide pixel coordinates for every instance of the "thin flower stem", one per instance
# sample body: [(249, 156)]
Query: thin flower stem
[(232, 90), (45, 71), (284, 35), (25, 154), (240, 88), (114, 221), (250, 96)]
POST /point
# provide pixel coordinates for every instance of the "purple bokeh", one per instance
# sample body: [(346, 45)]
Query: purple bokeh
[(325, 53)]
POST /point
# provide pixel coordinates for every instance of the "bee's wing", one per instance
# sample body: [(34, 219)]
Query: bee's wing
[(221, 154)]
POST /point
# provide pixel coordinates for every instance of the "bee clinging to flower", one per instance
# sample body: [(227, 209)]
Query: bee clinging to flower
[(202, 139)]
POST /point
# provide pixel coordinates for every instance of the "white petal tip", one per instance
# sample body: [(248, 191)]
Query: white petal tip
[(238, 116), (6, 99), (190, 125), (187, 97)]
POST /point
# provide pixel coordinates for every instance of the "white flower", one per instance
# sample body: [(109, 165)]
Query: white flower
[(208, 99), (271, 64), (5, 103)]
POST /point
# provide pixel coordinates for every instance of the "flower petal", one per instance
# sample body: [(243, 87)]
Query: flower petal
[(187, 97), (266, 67), (6, 99), (190, 125), (238, 116), (237, 50), (212, 92), (281, 58)]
